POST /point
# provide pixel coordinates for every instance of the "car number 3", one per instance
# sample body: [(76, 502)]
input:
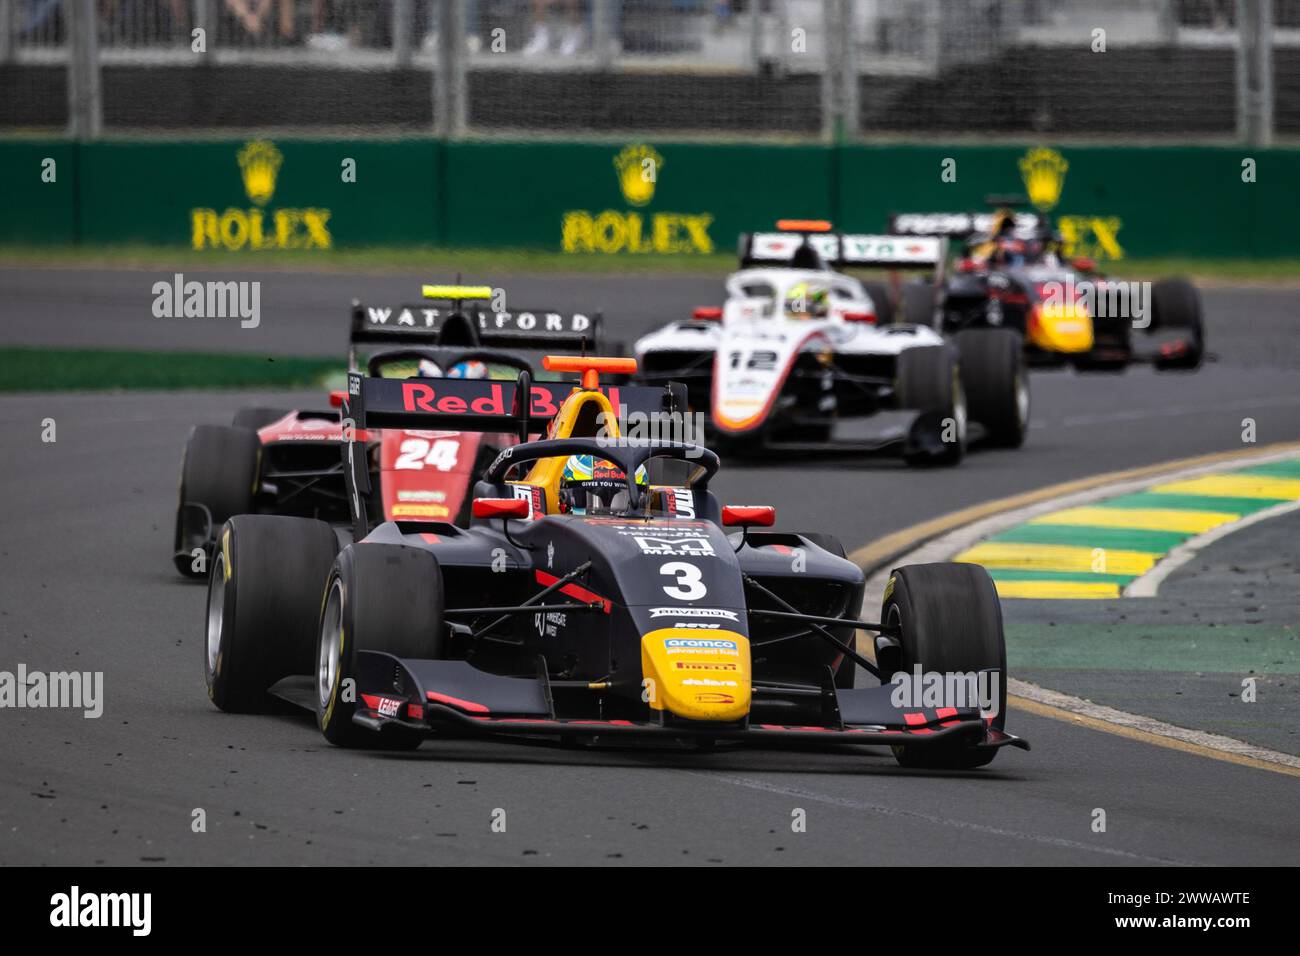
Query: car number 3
[(689, 578)]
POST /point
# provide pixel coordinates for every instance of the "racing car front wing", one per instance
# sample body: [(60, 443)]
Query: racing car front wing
[(427, 695)]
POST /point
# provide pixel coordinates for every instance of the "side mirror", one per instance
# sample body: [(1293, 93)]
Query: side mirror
[(746, 516), (867, 317), (337, 398), (500, 508), (708, 313)]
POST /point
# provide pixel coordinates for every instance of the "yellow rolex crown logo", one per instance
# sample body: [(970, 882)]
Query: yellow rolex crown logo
[(638, 170), (259, 162), (1043, 171)]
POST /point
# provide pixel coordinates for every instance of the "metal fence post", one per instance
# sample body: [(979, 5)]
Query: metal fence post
[(601, 32), (402, 28), (7, 21), (449, 83), (1255, 72), (839, 84), (85, 118), (755, 37), (205, 18)]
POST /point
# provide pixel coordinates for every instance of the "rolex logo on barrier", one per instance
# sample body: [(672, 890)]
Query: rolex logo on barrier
[(612, 231), (259, 164), (1043, 171)]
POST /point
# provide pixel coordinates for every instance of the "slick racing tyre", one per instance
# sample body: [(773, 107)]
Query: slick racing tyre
[(881, 299), (915, 305), (1176, 307), (928, 381), (258, 418), (379, 597), (948, 619), (263, 603), (218, 472), (996, 382)]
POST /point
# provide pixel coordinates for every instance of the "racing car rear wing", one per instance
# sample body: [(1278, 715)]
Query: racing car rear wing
[(444, 321), (960, 225), (838, 249), (478, 405)]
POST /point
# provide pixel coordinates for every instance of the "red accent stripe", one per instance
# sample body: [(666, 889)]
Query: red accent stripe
[(370, 700), (574, 591), (943, 712), (415, 711), (429, 537), (457, 702), (914, 719)]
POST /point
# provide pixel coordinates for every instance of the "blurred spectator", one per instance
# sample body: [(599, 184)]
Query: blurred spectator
[(253, 17), (573, 37)]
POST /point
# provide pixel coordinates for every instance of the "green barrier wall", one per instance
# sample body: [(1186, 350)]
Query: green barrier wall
[(629, 198)]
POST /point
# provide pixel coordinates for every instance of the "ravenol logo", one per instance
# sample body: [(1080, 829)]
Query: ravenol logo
[(1043, 171), (260, 228), (612, 231)]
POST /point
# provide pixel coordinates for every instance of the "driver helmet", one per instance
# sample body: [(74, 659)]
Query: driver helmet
[(806, 300), (590, 485), (428, 368), (469, 369)]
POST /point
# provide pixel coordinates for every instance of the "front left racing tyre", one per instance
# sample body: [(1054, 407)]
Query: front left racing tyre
[(263, 604), (996, 382), (1176, 307), (379, 597), (882, 300), (218, 473), (258, 418), (927, 380), (947, 619)]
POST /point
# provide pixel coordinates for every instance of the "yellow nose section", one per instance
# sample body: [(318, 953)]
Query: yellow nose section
[(696, 674), (1065, 327)]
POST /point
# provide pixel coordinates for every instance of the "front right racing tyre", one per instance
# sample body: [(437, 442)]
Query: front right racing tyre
[(947, 619), (927, 380), (263, 604), (218, 472), (379, 597), (1176, 307), (996, 382)]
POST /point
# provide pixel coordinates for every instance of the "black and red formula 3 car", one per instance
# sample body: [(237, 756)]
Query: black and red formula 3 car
[(619, 610), (282, 461)]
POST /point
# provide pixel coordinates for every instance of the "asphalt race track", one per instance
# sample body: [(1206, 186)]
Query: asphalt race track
[(86, 584)]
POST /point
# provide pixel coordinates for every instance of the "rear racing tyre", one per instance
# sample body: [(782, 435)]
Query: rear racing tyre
[(218, 472), (947, 619), (263, 603), (916, 305), (1176, 307), (882, 300), (378, 597), (928, 381), (996, 381), (258, 418)]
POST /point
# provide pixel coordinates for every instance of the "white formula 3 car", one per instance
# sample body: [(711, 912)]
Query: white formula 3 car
[(799, 351)]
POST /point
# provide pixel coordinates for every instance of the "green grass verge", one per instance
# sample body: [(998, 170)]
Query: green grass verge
[(48, 370), (485, 264)]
